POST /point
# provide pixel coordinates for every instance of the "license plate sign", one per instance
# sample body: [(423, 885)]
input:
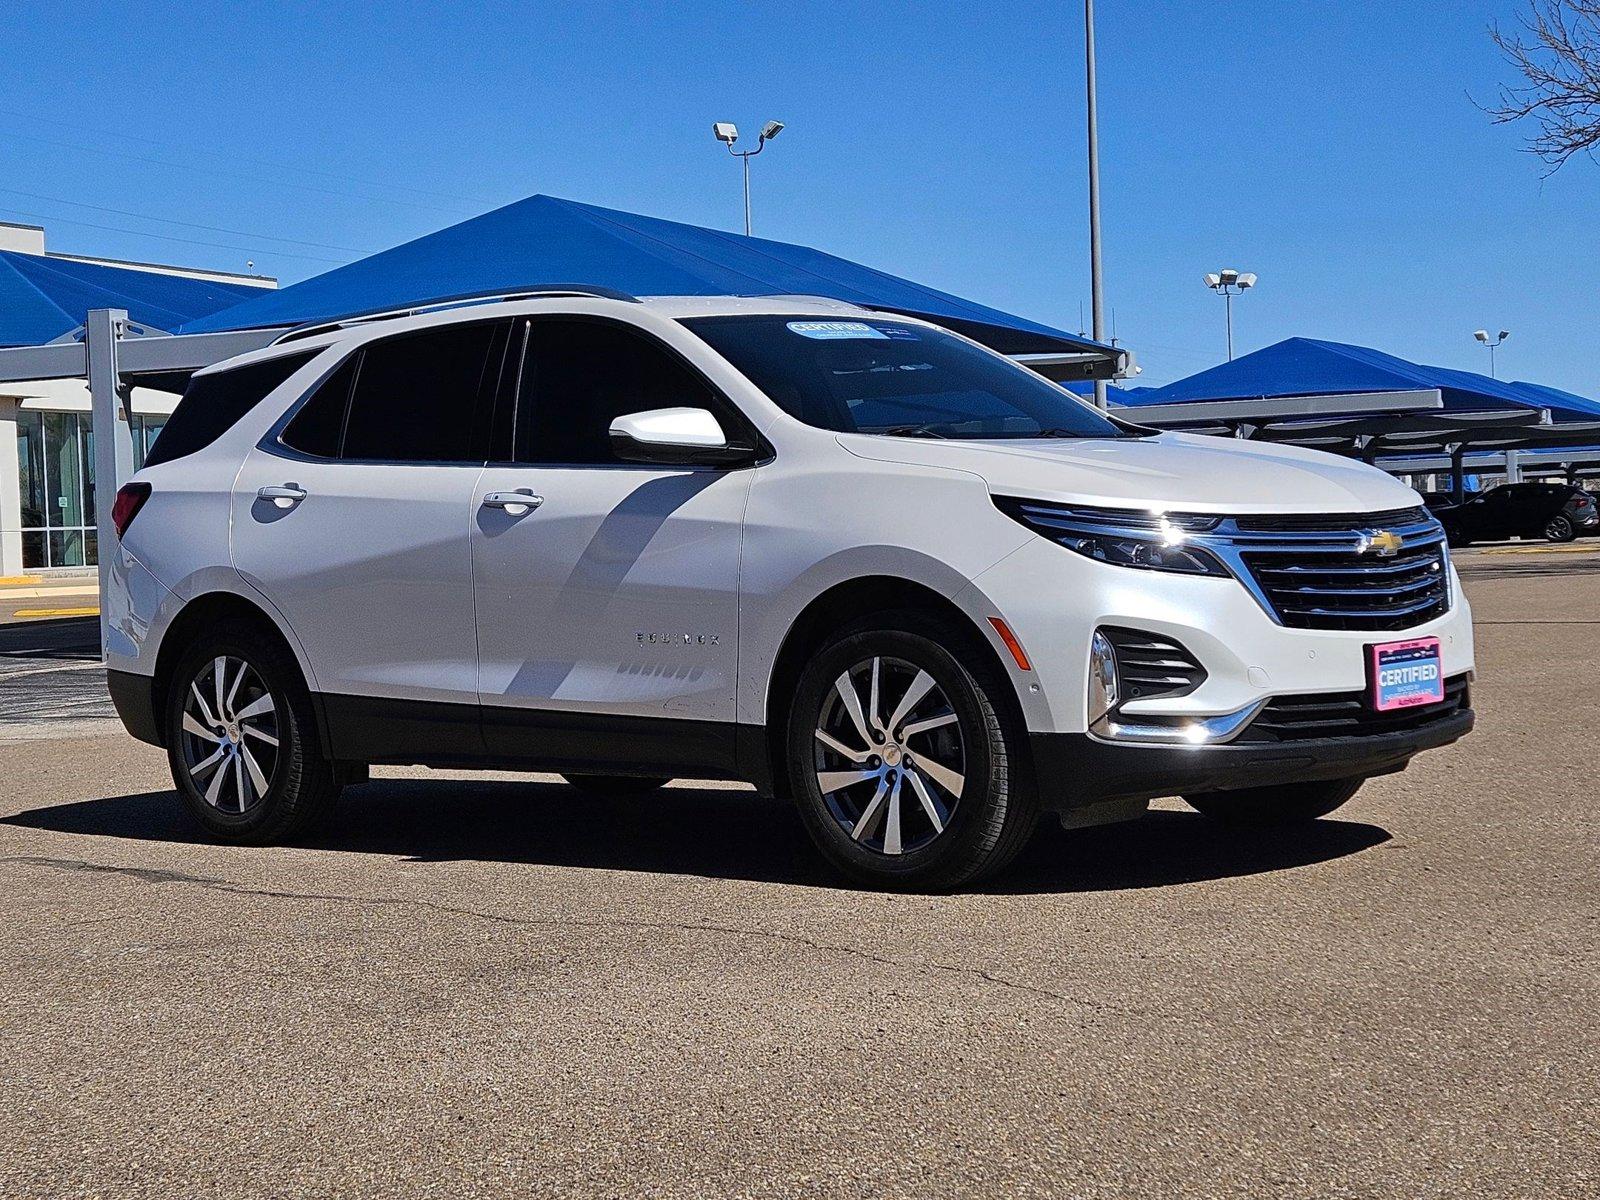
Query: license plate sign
[(1405, 674)]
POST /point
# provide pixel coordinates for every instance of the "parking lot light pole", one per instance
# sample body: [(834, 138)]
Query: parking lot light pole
[(1228, 284), (727, 133), (1483, 336), (1096, 287)]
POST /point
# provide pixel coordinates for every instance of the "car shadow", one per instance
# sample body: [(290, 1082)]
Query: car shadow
[(713, 833)]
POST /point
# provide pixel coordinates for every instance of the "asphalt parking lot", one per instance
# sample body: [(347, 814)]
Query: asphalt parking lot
[(495, 985)]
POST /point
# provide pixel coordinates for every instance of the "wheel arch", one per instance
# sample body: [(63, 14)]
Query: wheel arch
[(848, 601), (207, 609)]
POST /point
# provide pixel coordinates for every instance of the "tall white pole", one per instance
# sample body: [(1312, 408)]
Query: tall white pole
[(745, 158), (1098, 300)]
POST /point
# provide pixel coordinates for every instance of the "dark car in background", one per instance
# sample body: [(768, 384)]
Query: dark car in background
[(1558, 512)]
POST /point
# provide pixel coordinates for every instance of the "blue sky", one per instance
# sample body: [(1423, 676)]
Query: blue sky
[(1330, 147)]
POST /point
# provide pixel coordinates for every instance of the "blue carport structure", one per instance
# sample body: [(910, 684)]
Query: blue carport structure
[(545, 241), (1362, 402), (46, 297)]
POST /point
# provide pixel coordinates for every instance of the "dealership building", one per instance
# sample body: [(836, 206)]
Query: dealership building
[(46, 443)]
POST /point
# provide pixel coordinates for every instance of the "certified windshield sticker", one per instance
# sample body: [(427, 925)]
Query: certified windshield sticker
[(829, 331)]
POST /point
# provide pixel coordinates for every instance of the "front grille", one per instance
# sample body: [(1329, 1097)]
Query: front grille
[(1149, 666), (1318, 572), (1347, 714)]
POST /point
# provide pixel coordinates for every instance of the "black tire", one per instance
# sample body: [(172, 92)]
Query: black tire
[(301, 784), (1559, 529), (983, 826), (1288, 804), (615, 785), (1457, 541)]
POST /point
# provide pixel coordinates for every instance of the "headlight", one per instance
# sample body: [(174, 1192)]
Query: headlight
[(1123, 537)]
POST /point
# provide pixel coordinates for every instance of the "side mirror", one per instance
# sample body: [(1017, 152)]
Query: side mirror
[(674, 437)]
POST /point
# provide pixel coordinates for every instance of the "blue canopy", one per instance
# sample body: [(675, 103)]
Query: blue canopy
[(547, 240), (43, 297), (1557, 400), (1311, 367)]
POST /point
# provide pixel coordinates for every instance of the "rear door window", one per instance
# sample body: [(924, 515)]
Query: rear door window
[(423, 397), (214, 402)]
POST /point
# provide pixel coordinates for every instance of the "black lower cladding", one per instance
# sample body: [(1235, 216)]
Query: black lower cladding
[(381, 730), (1075, 770), (133, 696)]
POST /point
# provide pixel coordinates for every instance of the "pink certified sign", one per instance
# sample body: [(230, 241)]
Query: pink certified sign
[(1405, 674)]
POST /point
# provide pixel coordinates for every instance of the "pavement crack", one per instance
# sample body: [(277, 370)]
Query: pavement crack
[(210, 883)]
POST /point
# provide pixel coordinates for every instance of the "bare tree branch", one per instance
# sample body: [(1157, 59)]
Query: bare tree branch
[(1556, 49)]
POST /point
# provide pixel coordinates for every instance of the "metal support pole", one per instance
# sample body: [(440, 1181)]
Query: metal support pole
[(1513, 466), (1095, 283), (745, 158), (113, 439), (1458, 479), (1227, 300)]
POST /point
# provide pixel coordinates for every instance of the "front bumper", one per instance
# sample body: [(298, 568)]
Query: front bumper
[(1076, 772)]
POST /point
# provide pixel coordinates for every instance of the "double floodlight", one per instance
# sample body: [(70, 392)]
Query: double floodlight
[(1231, 279), (727, 131), (1483, 336)]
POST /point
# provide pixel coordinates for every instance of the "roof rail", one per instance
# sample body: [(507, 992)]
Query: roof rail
[(448, 302)]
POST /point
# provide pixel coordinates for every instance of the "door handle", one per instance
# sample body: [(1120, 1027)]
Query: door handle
[(284, 496), (516, 503)]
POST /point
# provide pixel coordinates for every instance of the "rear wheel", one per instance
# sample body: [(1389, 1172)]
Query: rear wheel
[(901, 760), (1286, 804), (615, 785), (242, 738), (1560, 529)]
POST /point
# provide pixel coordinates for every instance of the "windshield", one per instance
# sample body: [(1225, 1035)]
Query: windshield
[(892, 378)]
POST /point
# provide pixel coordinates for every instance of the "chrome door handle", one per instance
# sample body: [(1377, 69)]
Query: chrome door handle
[(514, 503), (285, 496)]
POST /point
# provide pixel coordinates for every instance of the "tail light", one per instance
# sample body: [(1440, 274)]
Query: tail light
[(130, 499)]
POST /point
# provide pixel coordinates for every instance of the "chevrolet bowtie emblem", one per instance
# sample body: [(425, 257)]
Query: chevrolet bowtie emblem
[(1383, 543)]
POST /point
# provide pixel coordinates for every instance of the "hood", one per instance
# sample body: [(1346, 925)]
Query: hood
[(1170, 471)]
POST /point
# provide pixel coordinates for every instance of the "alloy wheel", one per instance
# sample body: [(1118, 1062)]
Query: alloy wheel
[(230, 735), (891, 756)]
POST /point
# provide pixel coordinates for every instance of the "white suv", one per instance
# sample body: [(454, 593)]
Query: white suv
[(854, 559)]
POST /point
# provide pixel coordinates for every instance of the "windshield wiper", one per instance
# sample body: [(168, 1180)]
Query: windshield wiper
[(929, 429)]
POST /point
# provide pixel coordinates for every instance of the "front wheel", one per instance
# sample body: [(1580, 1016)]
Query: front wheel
[(902, 759), (1285, 804), (1559, 529), (242, 738)]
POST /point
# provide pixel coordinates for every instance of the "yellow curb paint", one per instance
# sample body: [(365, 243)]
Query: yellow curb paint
[(1541, 550), (19, 580), (56, 612)]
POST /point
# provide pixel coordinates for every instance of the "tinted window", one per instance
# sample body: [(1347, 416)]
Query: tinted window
[(581, 375), (890, 377), (423, 397), (319, 425), (214, 402)]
